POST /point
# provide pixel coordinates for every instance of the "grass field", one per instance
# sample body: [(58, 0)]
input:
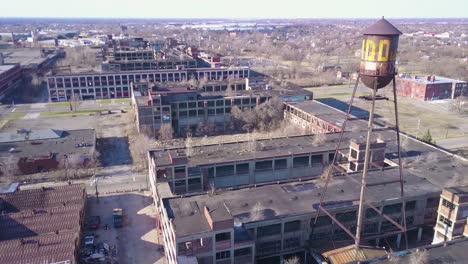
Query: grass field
[(104, 101), (59, 104), (122, 100), (415, 117), (67, 113)]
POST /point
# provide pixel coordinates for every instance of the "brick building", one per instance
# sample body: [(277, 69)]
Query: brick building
[(428, 88), (33, 151)]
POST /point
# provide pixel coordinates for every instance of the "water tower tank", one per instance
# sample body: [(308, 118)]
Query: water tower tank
[(378, 54)]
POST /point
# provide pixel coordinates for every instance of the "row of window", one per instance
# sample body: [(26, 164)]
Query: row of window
[(370, 213), (445, 220), (448, 204), (220, 102), (265, 165), (85, 81), (275, 229)]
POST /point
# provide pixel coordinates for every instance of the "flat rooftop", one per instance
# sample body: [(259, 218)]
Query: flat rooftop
[(6, 67), (423, 79), (44, 142), (321, 111), (276, 199), (28, 58)]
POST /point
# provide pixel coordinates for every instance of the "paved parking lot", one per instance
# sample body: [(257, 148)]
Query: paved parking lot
[(136, 241)]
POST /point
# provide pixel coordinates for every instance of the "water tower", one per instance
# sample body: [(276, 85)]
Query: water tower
[(378, 54), (376, 70)]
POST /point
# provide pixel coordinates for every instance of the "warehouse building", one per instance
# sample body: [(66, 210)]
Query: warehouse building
[(93, 86), (42, 225), (34, 151)]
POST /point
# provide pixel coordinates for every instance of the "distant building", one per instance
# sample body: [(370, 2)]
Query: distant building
[(94, 85), (33, 61), (42, 225), (10, 75), (428, 88), (132, 59), (34, 151)]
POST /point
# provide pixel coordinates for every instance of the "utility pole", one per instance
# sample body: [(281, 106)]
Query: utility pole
[(66, 168), (94, 182)]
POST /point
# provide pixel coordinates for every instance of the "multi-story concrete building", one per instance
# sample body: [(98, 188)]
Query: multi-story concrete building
[(430, 87), (127, 59), (265, 224), (254, 201), (92, 86), (185, 107), (10, 75), (452, 215), (312, 118)]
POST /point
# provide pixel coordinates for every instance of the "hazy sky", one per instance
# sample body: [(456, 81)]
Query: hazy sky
[(235, 8)]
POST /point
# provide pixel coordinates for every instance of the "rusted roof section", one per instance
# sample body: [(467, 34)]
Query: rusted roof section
[(382, 27), (46, 197), (348, 254), (37, 222), (49, 248)]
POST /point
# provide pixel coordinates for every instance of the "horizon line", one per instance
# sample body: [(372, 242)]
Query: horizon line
[(232, 18)]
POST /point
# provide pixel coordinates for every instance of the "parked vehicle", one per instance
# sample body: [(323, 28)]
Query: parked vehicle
[(117, 213), (89, 241), (94, 222)]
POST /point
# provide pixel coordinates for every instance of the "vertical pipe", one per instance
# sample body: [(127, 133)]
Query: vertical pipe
[(343, 128), (365, 170), (402, 192)]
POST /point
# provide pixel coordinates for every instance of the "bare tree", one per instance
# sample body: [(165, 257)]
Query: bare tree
[(189, 144), (420, 257), (326, 173), (457, 105), (318, 140), (206, 128), (166, 132), (293, 260), (258, 212), (9, 167), (74, 103), (139, 148)]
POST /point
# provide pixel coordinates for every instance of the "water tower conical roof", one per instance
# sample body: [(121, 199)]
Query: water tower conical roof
[(382, 27)]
